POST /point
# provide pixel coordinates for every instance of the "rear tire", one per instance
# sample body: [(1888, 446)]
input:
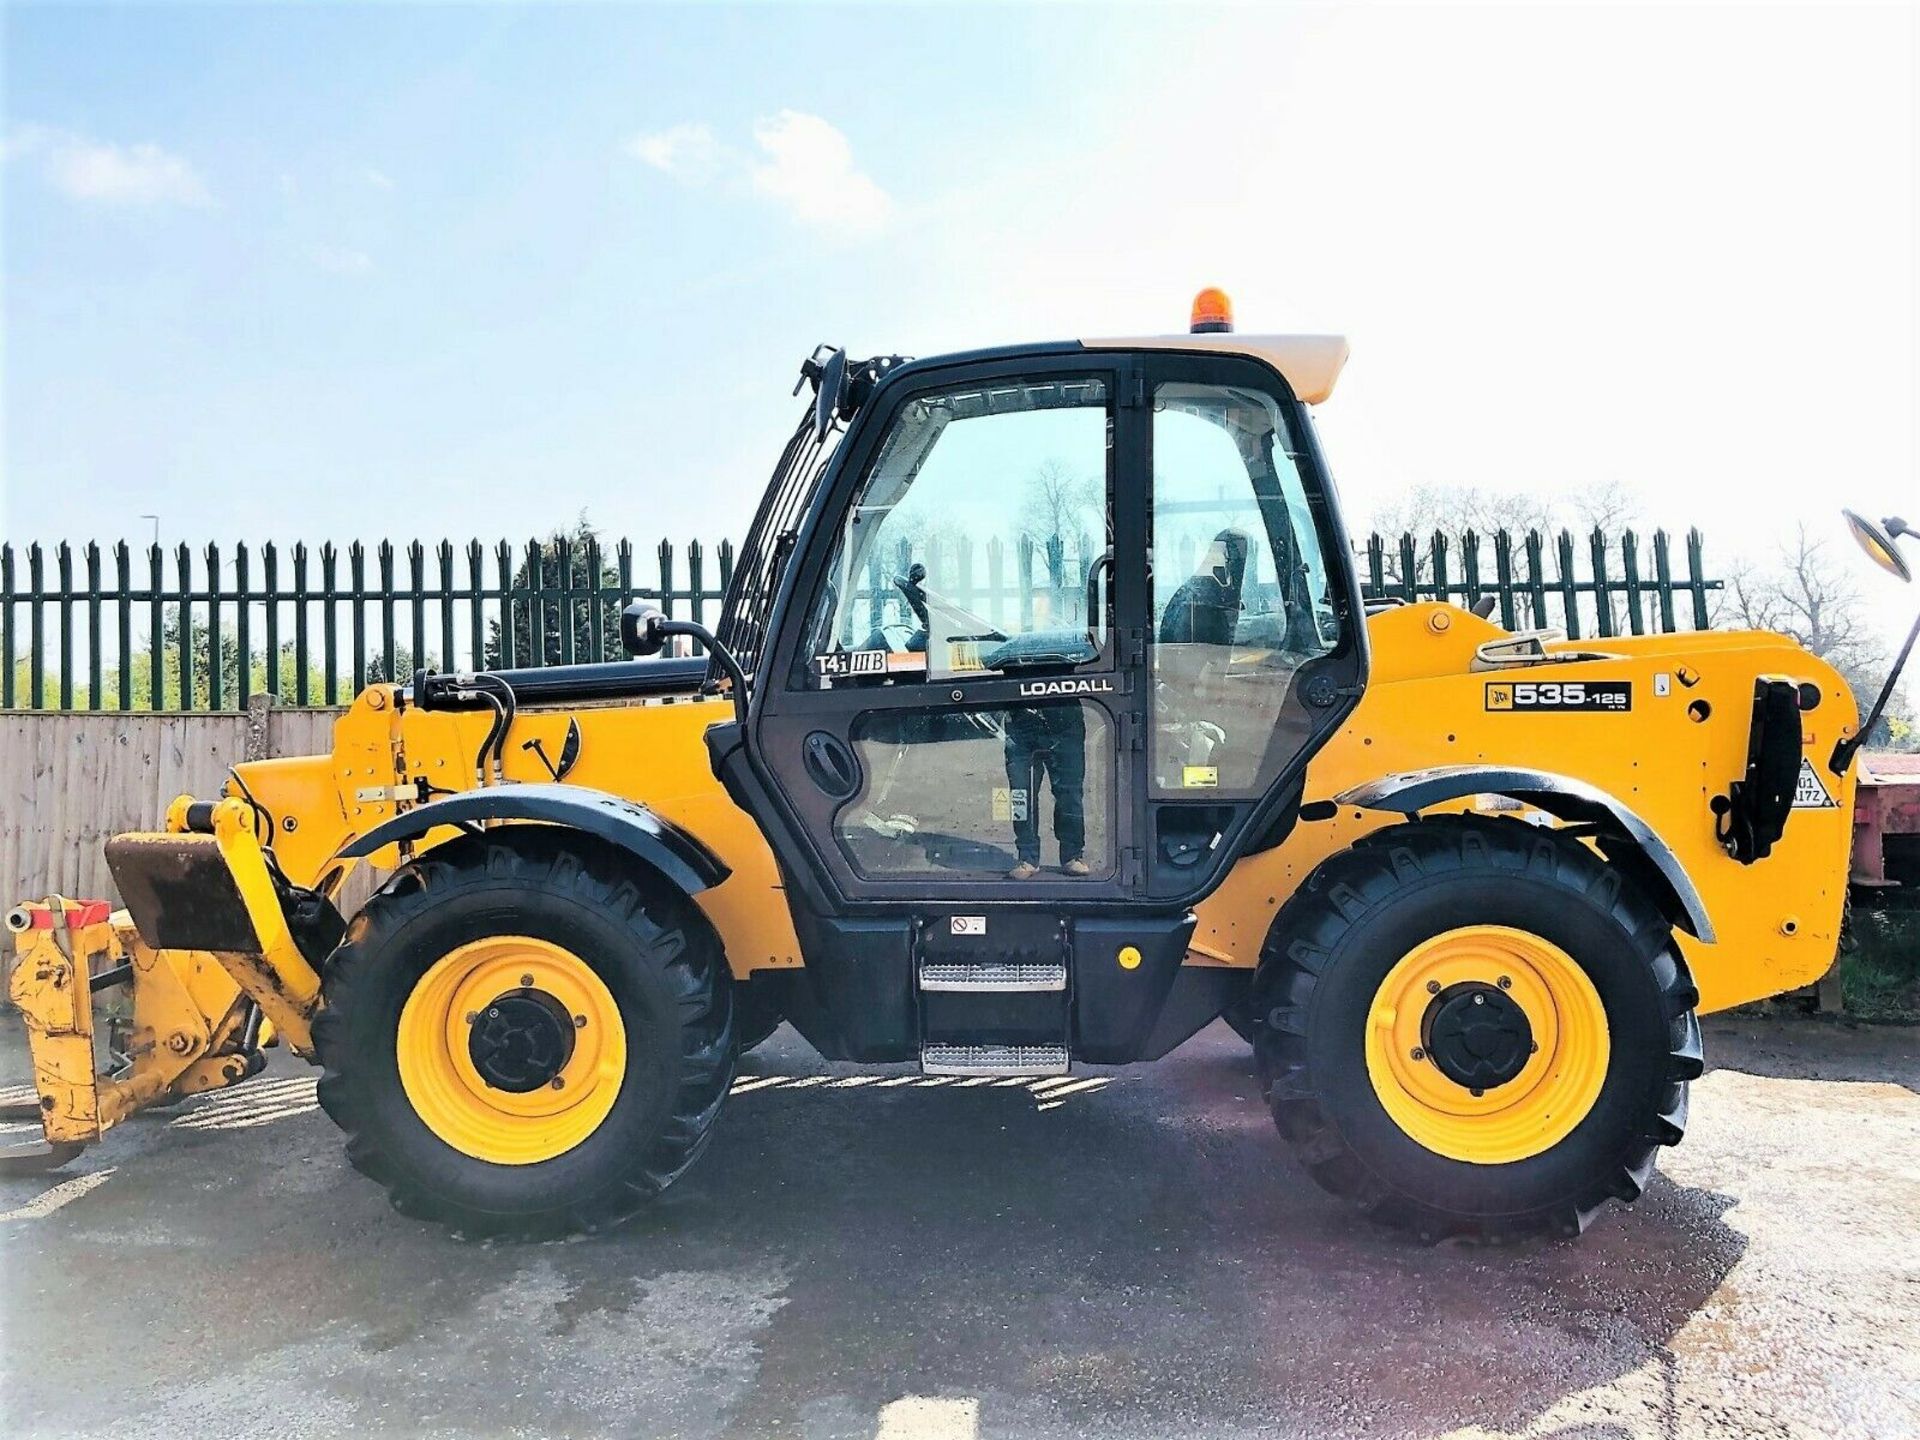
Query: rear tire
[(651, 1059), (1439, 1161)]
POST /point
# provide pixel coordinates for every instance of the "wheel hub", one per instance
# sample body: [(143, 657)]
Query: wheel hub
[(521, 1041), (1477, 1036)]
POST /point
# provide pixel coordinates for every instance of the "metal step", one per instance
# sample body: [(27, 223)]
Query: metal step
[(998, 975), (943, 1059)]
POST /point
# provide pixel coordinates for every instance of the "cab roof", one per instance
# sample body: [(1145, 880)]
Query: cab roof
[(1310, 363)]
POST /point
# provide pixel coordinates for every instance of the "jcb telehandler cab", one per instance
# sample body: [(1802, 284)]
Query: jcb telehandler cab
[(1044, 724)]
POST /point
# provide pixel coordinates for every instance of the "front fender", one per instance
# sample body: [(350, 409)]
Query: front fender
[(674, 852), (1561, 796)]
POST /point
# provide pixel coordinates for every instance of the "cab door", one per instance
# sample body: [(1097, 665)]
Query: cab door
[(1255, 643), (955, 708)]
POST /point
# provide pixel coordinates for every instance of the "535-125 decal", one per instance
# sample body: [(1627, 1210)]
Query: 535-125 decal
[(1608, 696)]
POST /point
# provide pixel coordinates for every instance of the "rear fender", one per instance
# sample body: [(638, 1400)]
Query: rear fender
[(1562, 797)]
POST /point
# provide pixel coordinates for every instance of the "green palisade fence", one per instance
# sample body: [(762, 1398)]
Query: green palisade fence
[(92, 629)]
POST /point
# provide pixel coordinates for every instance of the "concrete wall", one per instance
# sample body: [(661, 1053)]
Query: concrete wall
[(70, 780)]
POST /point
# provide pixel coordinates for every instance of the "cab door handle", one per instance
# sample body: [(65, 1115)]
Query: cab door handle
[(830, 764)]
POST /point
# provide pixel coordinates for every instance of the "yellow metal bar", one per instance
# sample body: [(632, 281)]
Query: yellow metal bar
[(50, 986), (278, 978)]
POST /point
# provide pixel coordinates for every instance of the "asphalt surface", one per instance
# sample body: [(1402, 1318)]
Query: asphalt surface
[(1129, 1254)]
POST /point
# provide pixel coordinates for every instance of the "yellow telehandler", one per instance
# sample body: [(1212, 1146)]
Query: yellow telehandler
[(1464, 889)]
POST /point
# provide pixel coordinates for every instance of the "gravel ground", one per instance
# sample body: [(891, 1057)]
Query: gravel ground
[(1130, 1254)]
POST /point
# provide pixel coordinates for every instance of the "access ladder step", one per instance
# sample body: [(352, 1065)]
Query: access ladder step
[(944, 1059), (993, 975)]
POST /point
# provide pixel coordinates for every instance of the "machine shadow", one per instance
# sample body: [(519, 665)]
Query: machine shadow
[(1136, 1252), (1783, 1045)]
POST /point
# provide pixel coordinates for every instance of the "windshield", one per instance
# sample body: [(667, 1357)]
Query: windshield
[(974, 540)]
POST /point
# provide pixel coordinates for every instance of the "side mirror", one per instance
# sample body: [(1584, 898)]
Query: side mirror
[(1878, 542), (641, 634)]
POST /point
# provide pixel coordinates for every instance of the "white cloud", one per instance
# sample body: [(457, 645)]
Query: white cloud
[(805, 166), (809, 169), (378, 179), (101, 172), (339, 260), (686, 152)]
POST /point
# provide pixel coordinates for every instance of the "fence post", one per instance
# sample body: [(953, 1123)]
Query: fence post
[(330, 619), (156, 630), (389, 646), (270, 586), (1026, 581), (596, 605), (123, 574), (302, 687), (36, 627), (1537, 578), (243, 632), (183, 564), (417, 573), (357, 579), (476, 607), (94, 678), (1630, 570), (1697, 580), (444, 553), (1569, 590), (666, 578), (1440, 586), (1602, 586), (509, 639), (563, 563), (1663, 579), (63, 562), (537, 602), (696, 568), (1470, 566), (7, 696), (1503, 576)]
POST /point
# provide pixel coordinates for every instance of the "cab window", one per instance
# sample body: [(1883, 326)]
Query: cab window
[(1241, 594), (969, 545)]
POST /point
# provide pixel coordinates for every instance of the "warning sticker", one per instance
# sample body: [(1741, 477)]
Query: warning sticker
[(1200, 777), (1808, 792), (1009, 804)]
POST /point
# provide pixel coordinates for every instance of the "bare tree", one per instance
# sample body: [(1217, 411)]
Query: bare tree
[(1457, 508), (1058, 502), (1813, 600), (1453, 510)]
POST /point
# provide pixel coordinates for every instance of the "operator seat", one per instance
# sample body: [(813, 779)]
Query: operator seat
[(1205, 610)]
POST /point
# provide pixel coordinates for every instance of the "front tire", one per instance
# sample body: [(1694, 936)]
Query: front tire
[(1475, 1028), (523, 1038)]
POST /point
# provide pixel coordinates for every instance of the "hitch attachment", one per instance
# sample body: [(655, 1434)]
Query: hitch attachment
[(207, 947)]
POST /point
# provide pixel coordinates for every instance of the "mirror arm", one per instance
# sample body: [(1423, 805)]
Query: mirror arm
[(1844, 752), (663, 627)]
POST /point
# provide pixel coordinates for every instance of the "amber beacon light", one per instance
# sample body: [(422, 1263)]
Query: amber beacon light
[(1212, 313)]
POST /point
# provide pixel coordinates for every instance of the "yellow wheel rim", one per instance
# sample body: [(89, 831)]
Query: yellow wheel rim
[(1554, 1089), (477, 1116)]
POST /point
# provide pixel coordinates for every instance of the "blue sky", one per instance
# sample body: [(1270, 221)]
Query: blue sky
[(310, 271)]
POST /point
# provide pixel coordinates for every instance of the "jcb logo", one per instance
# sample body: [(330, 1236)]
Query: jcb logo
[(1612, 696)]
